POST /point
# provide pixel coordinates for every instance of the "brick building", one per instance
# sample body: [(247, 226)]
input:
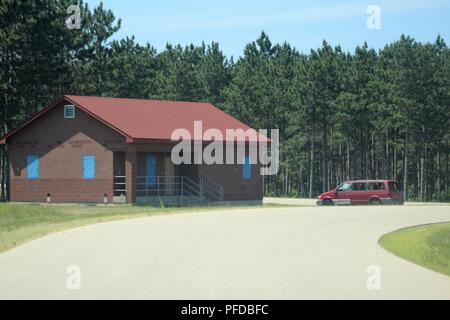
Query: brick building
[(95, 149)]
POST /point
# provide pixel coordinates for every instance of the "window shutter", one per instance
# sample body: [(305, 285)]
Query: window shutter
[(88, 167), (247, 168), (32, 167)]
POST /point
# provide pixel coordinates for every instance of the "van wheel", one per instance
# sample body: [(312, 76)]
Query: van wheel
[(375, 202), (327, 202)]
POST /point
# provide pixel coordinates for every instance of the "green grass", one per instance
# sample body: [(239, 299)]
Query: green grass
[(20, 223), (427, 245)]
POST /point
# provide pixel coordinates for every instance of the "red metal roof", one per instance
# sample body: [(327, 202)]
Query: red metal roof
[(150, 119)]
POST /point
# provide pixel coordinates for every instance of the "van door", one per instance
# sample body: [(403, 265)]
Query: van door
[(377, 190), (360, 194), (343, 194)]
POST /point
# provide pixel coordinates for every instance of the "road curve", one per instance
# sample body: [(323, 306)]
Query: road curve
[(267, 253)]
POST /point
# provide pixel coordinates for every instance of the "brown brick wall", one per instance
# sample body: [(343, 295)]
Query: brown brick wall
[(60, 144), (235, 187), (73, 190)]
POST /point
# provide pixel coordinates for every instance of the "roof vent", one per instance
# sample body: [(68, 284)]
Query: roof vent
[(69, 111)]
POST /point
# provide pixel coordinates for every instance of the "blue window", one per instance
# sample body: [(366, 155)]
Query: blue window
[(88, 167), (32, 167), (150, 168), (247, 169)]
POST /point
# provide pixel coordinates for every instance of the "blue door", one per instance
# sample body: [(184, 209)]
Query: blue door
[(88, 167), (150, 168)]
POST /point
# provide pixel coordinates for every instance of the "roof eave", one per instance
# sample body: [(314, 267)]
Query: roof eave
[(5, 138)]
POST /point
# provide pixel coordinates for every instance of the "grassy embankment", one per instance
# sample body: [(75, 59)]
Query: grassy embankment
[(426, 245)]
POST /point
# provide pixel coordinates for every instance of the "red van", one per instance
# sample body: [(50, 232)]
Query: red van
[(358, 192)]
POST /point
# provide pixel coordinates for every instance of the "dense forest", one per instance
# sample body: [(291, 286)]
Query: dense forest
[(342, 115)]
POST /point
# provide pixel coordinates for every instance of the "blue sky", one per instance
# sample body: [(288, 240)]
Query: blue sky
[(304, 24)]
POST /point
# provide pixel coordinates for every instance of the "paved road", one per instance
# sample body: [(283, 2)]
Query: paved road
[(271, 253)]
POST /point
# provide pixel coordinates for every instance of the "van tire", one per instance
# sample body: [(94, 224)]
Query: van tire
[(375, 202), (327, 202)]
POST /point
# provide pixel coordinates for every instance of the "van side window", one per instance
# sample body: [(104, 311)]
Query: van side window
[(360, 186), (376, 186)]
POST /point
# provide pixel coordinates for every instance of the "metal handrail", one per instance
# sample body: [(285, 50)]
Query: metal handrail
[(211, 191), (119, 186), (149, 186), (216, 190), (191, 181), (167, 185), (211, 181)]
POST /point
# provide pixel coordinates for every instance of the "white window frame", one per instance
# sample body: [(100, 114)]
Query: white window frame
[(65, 111)]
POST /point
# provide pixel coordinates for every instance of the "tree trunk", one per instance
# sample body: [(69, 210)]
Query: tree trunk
[(348, 161), (324, 160), (373, 173), (419, 190), (362, 174), (422, 179), (438, 169), (405, 167), (341, 164), (394, 165), (301, 187), (286, 182), (386, 158), (2, 174), (447, 175), (311, 164)]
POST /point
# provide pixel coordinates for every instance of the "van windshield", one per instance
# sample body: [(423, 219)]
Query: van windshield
[(346, 186)]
